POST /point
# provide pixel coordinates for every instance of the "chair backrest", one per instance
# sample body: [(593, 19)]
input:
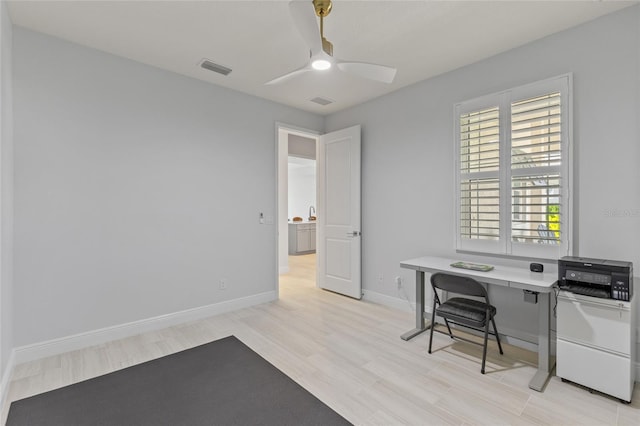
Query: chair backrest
[(457, 284)]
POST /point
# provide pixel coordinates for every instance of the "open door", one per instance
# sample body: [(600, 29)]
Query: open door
[(338, 248)]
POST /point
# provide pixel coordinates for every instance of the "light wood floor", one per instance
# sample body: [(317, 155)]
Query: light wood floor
[(349, 354)]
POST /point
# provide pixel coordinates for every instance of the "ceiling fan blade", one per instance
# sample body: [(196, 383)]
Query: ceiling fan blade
[(304, 17), (375, 72), (288, 76)]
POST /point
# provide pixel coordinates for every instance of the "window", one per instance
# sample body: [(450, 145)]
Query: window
[(513, 171)]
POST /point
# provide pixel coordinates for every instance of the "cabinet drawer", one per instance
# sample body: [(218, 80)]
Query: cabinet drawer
[(595, 324), (599, 370)]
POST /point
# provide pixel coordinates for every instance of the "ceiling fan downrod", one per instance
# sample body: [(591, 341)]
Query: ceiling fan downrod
[(323, 8)]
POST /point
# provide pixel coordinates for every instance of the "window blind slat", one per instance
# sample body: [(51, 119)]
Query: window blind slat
[(536, 102), (489, 129), (524, 119), (539, 103), (544, 128), (530, 141)]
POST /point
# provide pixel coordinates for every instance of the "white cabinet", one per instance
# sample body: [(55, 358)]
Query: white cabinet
[(302, 238), (596, 343), (312, 237)]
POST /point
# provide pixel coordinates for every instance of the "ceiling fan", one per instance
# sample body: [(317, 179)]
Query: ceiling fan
[(322, 50)]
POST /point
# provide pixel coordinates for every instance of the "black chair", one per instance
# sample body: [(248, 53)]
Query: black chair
[(465, 312)]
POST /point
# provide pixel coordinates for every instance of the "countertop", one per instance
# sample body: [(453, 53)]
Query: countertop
[(304, 222)]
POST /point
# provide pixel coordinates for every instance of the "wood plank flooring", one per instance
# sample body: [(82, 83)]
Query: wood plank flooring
[(349, 354)]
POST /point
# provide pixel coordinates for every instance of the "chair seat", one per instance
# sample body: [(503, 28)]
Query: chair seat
[(466, 311)]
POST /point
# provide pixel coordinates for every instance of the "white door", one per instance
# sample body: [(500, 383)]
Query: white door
[(338, 223)]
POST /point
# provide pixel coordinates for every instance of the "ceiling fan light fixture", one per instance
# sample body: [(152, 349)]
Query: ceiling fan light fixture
[(321, 64)]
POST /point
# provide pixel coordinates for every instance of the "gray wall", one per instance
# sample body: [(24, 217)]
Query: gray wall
[(6, 191), (407, 152), (136, 190), (299, 146)]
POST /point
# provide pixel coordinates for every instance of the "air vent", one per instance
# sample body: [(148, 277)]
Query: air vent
[(212, 66), (322, 101)]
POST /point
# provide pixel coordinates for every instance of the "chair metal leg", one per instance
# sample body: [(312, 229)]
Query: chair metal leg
[(448, 328), (495, 330), (484, 349), (437, 299), (433, 324)]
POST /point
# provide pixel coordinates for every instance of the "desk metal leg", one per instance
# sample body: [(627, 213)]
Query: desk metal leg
[(420, 320), (544, 345)]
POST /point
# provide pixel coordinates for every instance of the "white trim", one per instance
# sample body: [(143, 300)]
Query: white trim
[(522, 339), (82, 340), (389, 301), (7, 375)]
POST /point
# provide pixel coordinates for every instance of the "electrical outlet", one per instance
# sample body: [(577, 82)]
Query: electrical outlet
[(399, 282), (223, 284), (380, 277)]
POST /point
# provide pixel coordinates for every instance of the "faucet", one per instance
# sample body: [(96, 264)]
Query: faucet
[(314, 211)]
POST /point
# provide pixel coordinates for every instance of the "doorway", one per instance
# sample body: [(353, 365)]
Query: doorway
[(338, 193), (296, 200)]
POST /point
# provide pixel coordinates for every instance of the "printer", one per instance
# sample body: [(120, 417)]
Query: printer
[(607, 279)]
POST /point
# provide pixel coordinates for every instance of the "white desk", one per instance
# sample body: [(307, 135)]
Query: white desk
[(541, 283)]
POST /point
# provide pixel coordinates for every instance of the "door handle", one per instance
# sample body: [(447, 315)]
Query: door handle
[(354, 234)]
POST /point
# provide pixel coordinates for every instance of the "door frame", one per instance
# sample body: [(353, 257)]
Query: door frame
[(281, 202)]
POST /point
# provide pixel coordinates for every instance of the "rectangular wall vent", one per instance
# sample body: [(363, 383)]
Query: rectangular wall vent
[(322, 101), (212, 66)]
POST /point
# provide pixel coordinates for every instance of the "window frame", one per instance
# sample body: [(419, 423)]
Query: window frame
[(503, 100)]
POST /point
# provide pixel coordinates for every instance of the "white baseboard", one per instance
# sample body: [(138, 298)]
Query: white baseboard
[(82, 340), (283, 269), (392, 302), (521, 339), (6, 379)]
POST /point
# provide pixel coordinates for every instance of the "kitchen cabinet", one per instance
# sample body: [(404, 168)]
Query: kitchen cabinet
[(302, 238)]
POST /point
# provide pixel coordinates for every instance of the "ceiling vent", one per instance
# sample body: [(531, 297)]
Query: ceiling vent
[(322, 101), (212, 66)]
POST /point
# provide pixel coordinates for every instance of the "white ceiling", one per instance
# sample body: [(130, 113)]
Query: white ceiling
[(258, 40)]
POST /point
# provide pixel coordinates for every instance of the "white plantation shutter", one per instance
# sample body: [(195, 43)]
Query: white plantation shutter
[(538, 209), (536, 132), (479, 170), (480, 141), (536, 160), (513, 171)]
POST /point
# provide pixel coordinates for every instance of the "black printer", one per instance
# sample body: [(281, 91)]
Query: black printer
[(608, 279)]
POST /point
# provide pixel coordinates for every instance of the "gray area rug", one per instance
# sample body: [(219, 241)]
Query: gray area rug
[(220, 383)]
